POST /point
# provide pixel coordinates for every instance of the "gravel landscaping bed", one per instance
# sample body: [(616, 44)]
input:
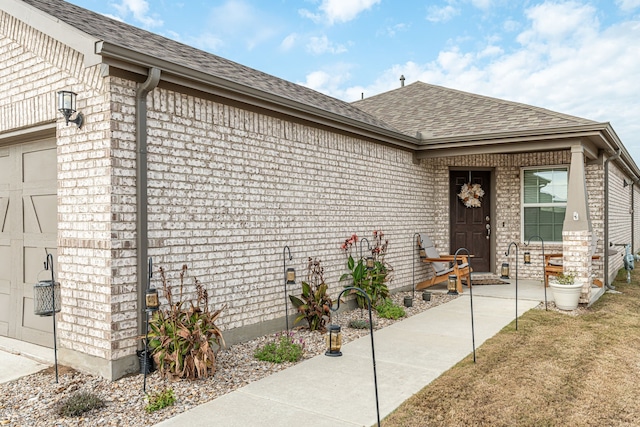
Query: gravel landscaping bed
[(33, 400)]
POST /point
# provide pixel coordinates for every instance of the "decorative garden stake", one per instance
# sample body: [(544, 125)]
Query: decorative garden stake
[(152, 304), (545, 288), (289, 279), (368, 248), (507, 254), (47, 302), (413, 239), (473, 335), (373, 353)]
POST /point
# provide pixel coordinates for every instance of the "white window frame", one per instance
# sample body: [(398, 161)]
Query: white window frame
[(539, 205)]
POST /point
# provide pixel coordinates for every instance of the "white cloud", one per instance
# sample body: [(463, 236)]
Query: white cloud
[(564, 62), (628, 5), (332, 11), (238, 20), (140, 11), (321, 45), (441, 14), (330, 80), (289, 42), (392, 30)]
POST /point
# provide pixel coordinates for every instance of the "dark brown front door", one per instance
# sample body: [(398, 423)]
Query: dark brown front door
[(470, 226)]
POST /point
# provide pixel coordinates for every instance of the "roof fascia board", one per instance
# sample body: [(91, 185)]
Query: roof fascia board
[(559, 132), (505, 147), (183, 76), (54, 28)]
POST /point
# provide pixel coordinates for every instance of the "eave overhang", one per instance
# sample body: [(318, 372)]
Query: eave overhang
[(123, 58)]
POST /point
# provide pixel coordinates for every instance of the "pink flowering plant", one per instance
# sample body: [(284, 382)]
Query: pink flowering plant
[(372, 281)]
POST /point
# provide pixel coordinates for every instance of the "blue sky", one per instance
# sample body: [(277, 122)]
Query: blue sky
[(577, 57)]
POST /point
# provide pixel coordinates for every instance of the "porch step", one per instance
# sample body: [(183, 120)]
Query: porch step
[(485, 278)]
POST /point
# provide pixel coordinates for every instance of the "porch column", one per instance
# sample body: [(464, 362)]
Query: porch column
[(576, 232)]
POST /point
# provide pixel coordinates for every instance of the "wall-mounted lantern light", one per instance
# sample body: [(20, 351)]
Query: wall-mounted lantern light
[(67, 106)]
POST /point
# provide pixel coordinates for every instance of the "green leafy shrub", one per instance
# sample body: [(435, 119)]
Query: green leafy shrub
[(283, 349), (314, 304), (389, 310), (160, 400), (79, 403), (373, 280), (184, 336)]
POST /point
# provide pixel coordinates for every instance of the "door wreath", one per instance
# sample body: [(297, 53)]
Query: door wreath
[(471, 195)]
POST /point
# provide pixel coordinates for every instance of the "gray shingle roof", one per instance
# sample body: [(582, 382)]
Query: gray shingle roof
[(440, 112), (144, 42)]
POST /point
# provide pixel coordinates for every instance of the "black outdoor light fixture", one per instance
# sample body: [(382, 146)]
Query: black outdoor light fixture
[(334, 341), (452, 285), (289, 279), (370, 262), (504, 271), (67, 106), (527, 257)]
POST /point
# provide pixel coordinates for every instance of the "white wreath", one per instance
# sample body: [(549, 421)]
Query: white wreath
[(471, 195)]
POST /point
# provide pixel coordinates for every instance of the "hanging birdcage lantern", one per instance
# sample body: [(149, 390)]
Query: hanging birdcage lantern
[(46, 298)]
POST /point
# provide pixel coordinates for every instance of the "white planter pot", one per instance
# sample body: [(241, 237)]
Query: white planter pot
[(566, 297)]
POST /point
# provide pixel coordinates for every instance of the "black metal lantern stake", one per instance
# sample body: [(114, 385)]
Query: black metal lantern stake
[(413, 258), (507, 254), (545, 288), (473, 335), (338, 341), (152, 304), (47, 302), (289, 279)]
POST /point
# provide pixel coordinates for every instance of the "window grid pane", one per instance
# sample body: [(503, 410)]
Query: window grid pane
[(545, 196)]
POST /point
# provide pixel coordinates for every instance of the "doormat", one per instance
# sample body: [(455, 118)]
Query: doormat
[(486, 281)]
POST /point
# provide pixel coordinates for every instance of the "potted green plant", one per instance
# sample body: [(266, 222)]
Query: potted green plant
[(566, 292)]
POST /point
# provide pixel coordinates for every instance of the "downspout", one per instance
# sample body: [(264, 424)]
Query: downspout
[(632, 212), (142, 240), (606, 218)]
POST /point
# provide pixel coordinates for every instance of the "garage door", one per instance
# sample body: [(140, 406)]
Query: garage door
[(28, 229)]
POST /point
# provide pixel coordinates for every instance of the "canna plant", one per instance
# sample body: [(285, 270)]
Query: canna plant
[(183, 336), (373, 281), (314, 304)]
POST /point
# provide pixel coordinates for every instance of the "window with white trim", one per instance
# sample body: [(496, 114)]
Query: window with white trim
[(544, 202)]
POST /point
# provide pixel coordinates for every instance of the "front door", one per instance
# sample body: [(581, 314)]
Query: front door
[(470, 220)]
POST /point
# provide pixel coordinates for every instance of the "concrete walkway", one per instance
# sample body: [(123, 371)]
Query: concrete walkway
[(339, 391), (18, 359)]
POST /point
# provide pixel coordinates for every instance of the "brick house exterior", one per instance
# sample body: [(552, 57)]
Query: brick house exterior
[(238, 164)]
